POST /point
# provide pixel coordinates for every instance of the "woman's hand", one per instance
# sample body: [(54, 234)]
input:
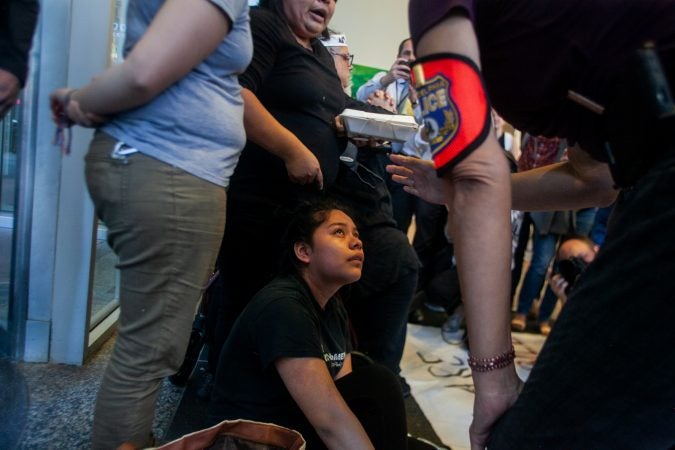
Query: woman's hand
[(382, 99), (303, 167), (418, 177), (66, 110), (489, 405)]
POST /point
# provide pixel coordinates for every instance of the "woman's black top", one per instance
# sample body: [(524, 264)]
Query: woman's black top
[(301, 89)]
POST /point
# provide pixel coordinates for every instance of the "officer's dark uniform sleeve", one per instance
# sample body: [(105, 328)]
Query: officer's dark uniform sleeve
[(424, 14), (17, 24)]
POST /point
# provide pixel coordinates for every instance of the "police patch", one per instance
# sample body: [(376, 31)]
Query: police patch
[(440, 113), (454, 106)]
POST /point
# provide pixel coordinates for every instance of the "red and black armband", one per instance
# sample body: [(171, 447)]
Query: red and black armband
[(454, 106)]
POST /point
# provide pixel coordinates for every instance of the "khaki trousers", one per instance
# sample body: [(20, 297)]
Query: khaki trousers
[(165, 226)]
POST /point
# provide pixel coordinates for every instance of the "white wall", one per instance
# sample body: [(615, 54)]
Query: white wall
[(374, 28), (73, 45)]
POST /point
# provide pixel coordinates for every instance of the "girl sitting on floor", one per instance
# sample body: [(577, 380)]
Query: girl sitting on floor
[(287, 359)]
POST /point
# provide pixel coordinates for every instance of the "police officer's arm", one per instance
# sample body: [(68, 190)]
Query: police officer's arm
[(311, 386), (479, 221), (580, 182)]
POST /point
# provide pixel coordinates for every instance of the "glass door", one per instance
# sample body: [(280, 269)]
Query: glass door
[(9, 142), (105, 288)]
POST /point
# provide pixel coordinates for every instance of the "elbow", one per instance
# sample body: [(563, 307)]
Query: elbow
[(606, 197), (143, 80), (601, 187)]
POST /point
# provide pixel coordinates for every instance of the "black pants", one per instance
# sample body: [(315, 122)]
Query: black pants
[(374, 396), (604, 379)]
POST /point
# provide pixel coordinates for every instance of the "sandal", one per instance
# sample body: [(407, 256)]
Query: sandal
[(518, 323)]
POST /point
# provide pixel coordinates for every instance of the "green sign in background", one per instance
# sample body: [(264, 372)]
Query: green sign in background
[(360, 75)]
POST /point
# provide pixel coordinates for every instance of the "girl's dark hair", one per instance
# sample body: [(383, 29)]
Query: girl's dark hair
[(304, 220)]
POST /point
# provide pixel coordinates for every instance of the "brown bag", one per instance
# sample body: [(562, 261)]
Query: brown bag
[(239, 435)]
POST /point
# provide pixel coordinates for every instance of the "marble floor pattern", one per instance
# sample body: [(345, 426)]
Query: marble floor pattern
[(441, 382)]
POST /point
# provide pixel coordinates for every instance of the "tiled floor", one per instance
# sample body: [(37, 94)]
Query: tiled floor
[(61, 403)]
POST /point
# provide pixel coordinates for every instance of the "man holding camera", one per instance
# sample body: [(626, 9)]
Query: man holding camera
[(395, 82), (574, 254)]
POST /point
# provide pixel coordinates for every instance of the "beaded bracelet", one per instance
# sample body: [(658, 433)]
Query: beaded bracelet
[(494, 363)]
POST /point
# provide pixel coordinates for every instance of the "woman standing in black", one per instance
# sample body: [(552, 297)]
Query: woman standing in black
[(292, 97)]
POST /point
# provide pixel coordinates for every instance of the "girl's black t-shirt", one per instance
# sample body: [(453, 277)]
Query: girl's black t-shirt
[(282, 321)]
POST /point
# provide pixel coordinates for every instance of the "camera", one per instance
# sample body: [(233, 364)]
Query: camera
[(570, 269)]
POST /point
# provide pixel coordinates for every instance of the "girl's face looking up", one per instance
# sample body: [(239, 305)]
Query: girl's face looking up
[(335, 254)]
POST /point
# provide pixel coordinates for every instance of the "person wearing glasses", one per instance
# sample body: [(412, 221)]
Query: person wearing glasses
[(337, 47)]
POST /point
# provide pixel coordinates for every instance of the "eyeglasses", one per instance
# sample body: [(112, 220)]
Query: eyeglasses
[(349, 57)]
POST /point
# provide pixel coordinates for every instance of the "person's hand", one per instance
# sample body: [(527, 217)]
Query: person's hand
[(400, 70), (359, 141), (489, 406), (339, 126), (9, 91), (559, 286), (418, 177), (303, 167), (66, 111), (382, 99)]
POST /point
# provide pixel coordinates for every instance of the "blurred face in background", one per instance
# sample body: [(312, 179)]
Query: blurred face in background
[(343, 65), (308, 18), (575, 248), (407, 51)]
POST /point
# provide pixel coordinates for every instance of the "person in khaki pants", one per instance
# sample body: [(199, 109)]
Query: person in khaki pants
[(170, 132)]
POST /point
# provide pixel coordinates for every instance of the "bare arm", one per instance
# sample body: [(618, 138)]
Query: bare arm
[(181, 35), (313, 389), (578, 183), (266, 131), (479, 221)]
